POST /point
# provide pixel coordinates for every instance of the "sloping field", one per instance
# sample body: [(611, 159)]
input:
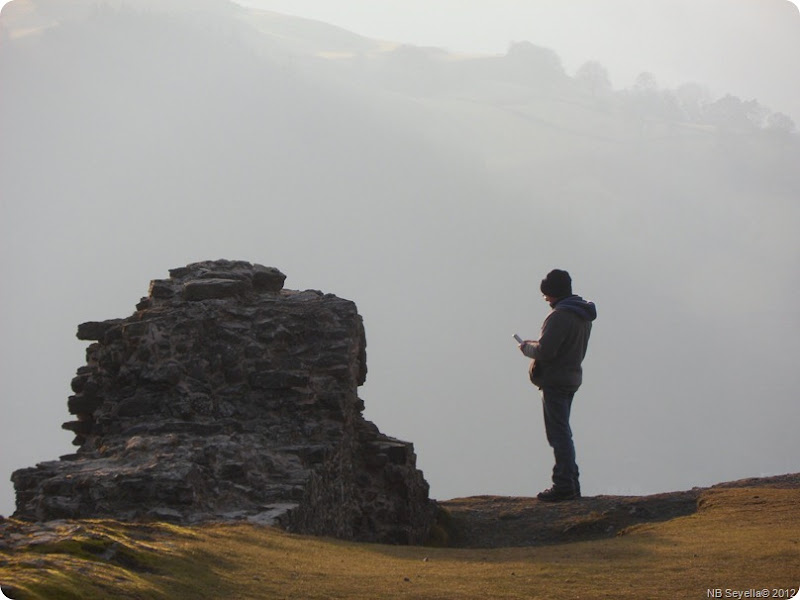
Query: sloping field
[(739, 540)]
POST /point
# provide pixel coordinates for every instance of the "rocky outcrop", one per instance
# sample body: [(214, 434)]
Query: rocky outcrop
[(225, 396), (504, 521)]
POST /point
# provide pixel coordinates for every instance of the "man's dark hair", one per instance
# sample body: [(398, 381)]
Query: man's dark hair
[(557, 284)]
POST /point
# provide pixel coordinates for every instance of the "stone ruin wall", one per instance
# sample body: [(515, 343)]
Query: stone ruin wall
[(225, 396)]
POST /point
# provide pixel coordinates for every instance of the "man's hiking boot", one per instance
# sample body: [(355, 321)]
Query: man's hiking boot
[(556, 495)]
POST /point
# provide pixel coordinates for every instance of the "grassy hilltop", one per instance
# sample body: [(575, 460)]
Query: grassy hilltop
[(739, 539)]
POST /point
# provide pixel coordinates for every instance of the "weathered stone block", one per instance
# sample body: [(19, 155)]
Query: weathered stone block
[(268, 279), (78, 427), (81, 404), (246, 407), (209, 289), (95, 330), (160, 288)]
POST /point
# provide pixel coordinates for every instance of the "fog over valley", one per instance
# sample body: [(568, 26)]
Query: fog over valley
[(435, 189)]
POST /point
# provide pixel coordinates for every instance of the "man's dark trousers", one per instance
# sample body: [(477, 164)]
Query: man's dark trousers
[(557, 404)]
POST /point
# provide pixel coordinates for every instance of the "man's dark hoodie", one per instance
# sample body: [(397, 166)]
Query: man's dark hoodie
[(559, 351)]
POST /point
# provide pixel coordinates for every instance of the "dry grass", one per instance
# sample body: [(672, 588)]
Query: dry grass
[(740, 539)]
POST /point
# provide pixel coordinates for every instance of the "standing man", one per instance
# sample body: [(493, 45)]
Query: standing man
[(556, 371)]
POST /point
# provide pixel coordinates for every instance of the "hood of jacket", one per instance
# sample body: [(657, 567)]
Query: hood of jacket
[(583, 308)]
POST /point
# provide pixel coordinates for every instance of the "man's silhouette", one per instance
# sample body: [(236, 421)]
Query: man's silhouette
[(556, 370)]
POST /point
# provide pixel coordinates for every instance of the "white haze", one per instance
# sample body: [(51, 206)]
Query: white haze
[(433, 192)]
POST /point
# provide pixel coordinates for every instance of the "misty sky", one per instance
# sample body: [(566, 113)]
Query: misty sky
[(477, 26), (434, 193), (482, 26)]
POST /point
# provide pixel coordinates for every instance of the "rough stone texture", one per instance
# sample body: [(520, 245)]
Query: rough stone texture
[(226, 397)]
